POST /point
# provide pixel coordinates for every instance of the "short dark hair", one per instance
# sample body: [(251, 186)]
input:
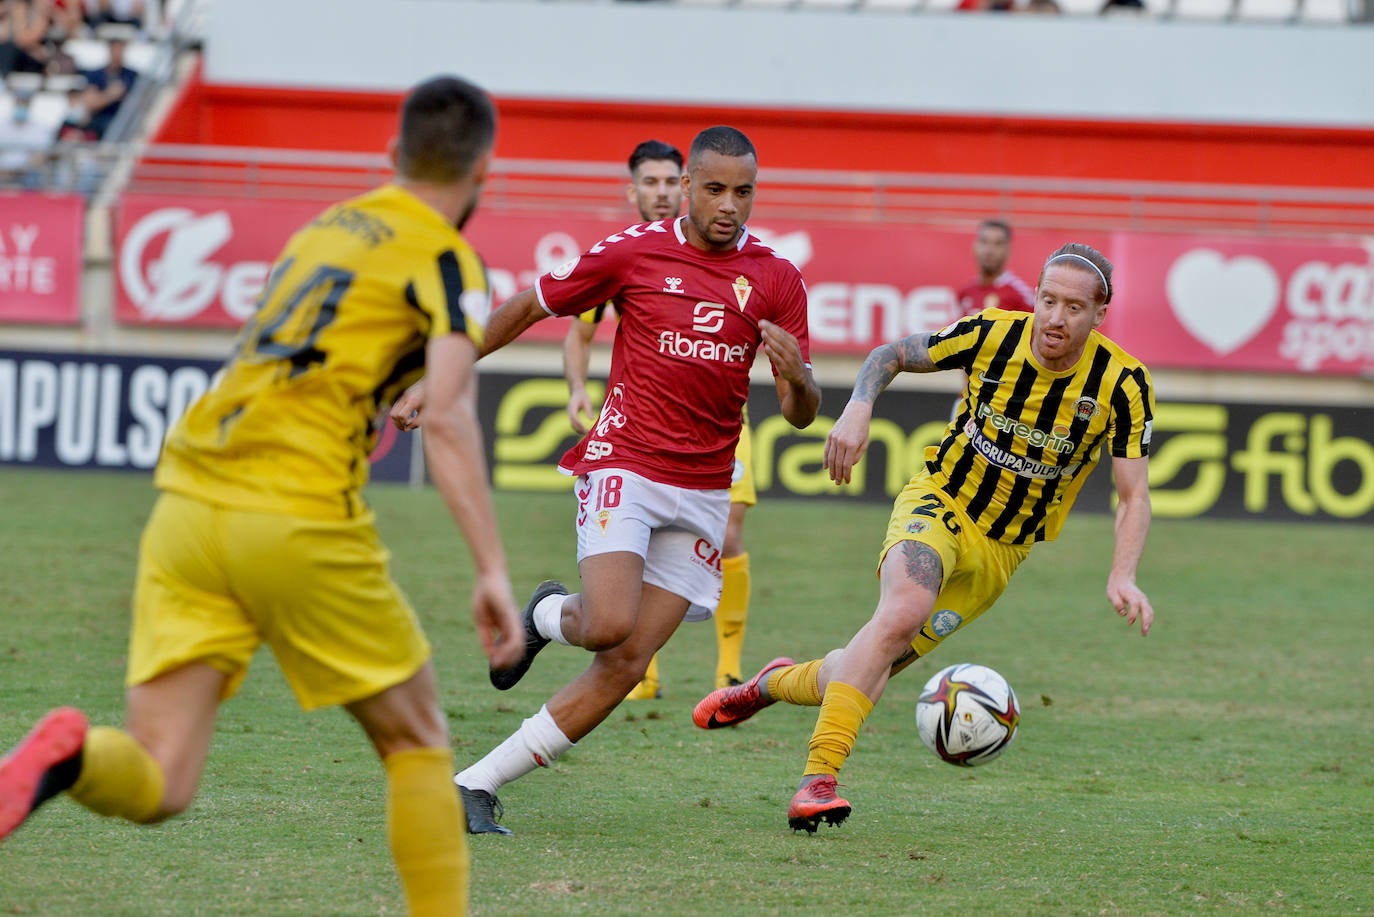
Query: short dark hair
[(993, 223), (447, 124), (1075, 254), (655, 151), (727, 141)]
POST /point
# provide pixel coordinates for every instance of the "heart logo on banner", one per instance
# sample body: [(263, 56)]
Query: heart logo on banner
[(1222, 303)]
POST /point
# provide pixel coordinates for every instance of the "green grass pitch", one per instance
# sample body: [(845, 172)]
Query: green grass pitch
[(1223, 765)]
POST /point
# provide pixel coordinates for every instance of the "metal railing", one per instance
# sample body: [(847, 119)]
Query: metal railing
[(876, 197)]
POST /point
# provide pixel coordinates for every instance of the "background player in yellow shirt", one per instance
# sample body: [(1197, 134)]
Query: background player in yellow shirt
[(1047, 395), (261, 533), (655, 189)]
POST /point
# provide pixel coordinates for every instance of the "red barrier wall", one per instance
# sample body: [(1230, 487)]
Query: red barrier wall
[(603, 131)]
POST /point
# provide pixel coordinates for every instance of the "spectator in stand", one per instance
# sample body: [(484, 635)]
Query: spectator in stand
[(115, 12), (76, 125), (24, 46), (996, 287), (108, 87), (68, 18), (24, 145)]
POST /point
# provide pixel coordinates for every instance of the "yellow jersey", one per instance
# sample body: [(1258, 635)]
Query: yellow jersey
[(1025, 438), (340, 331)]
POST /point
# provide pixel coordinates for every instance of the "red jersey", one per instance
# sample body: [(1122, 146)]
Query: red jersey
[(687, 336), (1006, 292)]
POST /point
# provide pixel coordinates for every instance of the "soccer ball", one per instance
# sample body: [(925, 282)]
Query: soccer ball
[(967, 714)]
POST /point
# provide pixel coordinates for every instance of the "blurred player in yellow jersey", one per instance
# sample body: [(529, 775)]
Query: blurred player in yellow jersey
[(656, 191), (1047, 396), (261, 533)]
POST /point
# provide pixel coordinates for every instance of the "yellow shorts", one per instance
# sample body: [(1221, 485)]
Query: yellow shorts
[(742, 483), (976, 568), (215, 583)]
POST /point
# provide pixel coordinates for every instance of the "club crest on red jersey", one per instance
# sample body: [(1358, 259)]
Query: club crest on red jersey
[(742, 291)]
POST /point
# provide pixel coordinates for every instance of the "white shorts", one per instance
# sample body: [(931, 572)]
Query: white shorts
[(678, 532)]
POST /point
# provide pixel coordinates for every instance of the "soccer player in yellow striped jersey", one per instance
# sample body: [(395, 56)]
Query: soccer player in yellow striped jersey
[(655, 189), (1047, 397), (261, 533)]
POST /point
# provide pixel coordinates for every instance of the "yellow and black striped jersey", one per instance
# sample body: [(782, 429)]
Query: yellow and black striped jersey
[(341, 329), (1025, 437)]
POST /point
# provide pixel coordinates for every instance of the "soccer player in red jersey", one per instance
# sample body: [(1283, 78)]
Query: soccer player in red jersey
[(699, 298), (997, 287), (655, 189)]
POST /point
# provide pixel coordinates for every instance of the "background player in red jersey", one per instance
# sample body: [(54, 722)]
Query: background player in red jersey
[(997, 287), (655, 189), (699, 297)]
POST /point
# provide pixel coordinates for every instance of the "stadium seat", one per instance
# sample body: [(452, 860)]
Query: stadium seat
[(1267, 10), (1203, 9), (891, 6), (92, 53), (1081, 7), (827, 4), (1325, 11)]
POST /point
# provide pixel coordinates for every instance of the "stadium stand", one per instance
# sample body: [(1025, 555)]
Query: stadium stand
[(1289, 11), (181, 133)]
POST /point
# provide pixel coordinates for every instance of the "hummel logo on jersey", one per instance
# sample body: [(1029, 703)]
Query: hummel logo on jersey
[(672, 285)]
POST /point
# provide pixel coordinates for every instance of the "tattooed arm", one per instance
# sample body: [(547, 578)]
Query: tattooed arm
[(909, 355), (848, 439)]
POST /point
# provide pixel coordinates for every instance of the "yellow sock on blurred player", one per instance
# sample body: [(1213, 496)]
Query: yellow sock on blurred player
[(843, 710), (424, 823), (731, 616), (648, 688), (118, 777), (797, 684)]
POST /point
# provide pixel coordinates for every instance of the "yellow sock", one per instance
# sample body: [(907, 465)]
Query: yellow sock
[(798, 684), (118, 777), (731, 615), (843, 710), (648, 688), (424, 823)]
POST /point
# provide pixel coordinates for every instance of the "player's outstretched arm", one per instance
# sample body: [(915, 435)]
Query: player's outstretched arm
[(454, 453), (848, 439), (909, 355), (1132, 526), (798, 394), (577, 352), (511, 319)]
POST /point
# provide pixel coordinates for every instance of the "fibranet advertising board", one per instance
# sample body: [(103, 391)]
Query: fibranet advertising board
[(1216, 459)]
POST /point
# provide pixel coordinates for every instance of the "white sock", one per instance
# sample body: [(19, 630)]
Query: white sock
[(537, 743), (548, 618)]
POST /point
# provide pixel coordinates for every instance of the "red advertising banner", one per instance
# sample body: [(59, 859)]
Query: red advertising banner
[(197, 261), (1246, 303), (41, 258), (1186, 301)]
